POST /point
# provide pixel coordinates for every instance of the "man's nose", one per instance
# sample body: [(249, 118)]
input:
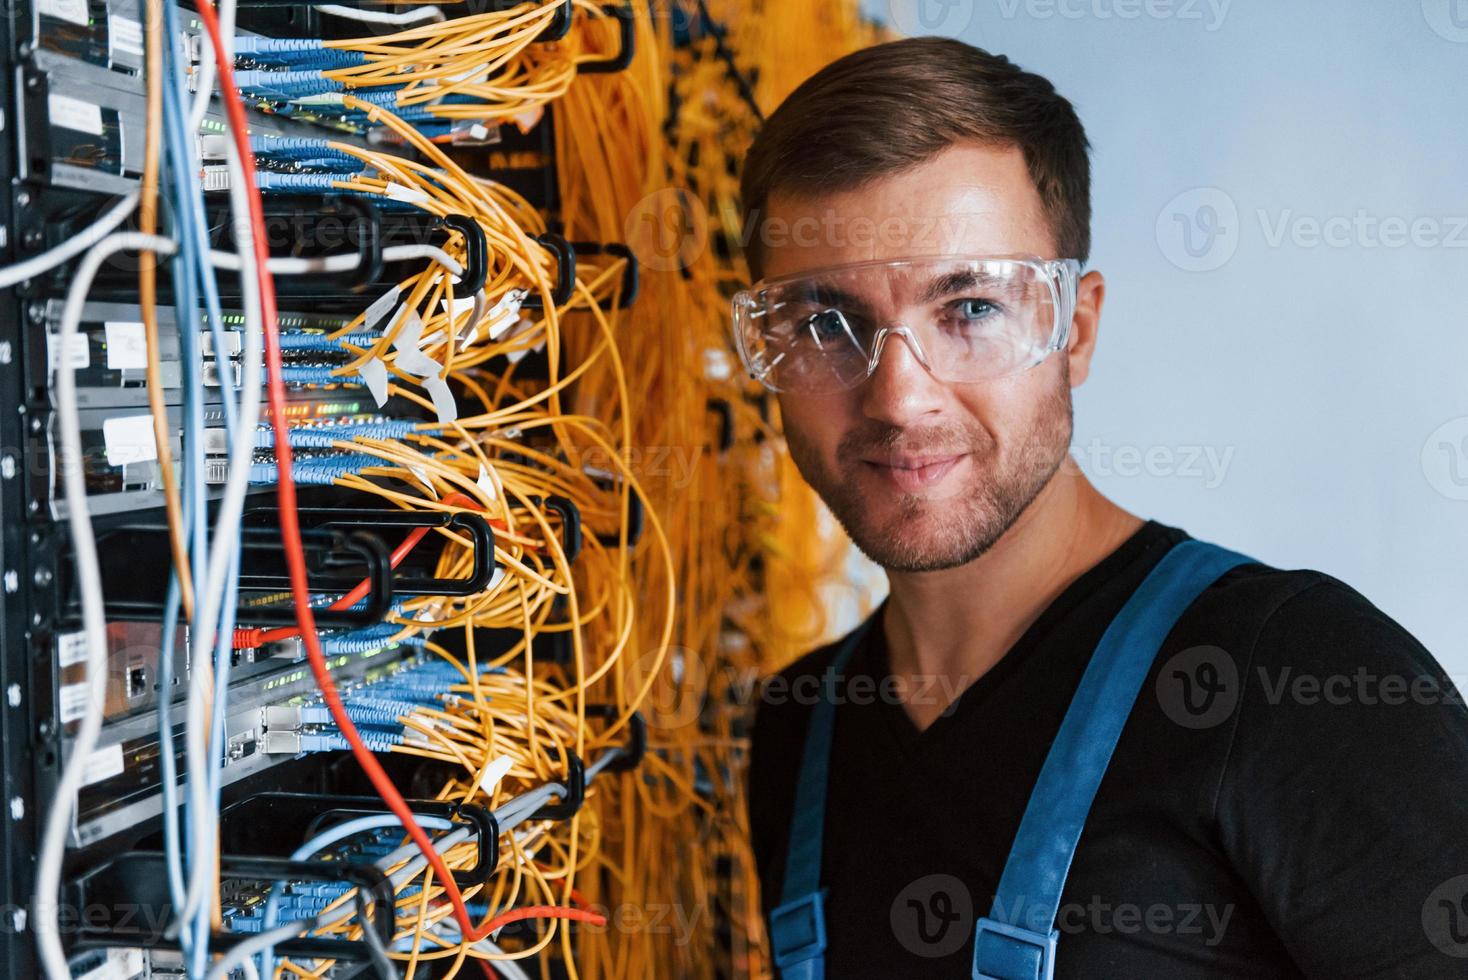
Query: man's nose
[(900, 390)]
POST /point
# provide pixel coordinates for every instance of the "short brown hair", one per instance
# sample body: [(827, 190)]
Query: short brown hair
[(881, 109)]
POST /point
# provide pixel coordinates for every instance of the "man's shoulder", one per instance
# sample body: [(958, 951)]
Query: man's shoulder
[(1306, 615)]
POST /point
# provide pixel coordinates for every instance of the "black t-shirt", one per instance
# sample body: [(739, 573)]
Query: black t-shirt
[(1289, 796)]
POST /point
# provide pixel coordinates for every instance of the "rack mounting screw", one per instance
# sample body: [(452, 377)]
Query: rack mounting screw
[(17, 808), (12, 695)]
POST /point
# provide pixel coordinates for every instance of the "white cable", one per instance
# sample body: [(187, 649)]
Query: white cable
[(204, 823), (94, 615), (381, 16), (207, 69), (230, 261), (402, 253), (72, 247), (226, 533)]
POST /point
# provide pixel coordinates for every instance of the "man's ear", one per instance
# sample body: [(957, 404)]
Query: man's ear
[(1090, 294)]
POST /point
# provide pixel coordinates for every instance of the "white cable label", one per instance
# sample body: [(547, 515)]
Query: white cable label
[(380, 308), (72, 10), (122, 964), (71, 649), (410, 359), (486, 484), (72, 702), (124, 34), (129, 440), (103, 764), (374, 376), (493, 773), (505, 313), (127, 346), (408, 195), (78, 351), (443, 399), (74, 114), (422, 476)]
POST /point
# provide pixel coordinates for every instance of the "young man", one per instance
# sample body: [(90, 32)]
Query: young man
[(1282, 790)]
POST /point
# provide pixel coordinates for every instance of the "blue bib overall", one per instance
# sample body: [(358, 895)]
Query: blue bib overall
[(1017, 940)]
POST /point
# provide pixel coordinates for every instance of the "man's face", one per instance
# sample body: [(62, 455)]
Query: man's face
[(924, 474)]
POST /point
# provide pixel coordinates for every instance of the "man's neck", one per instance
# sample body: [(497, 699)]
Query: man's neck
[(945, 630)]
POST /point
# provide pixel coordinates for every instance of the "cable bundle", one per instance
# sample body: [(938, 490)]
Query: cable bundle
[(643, 567)]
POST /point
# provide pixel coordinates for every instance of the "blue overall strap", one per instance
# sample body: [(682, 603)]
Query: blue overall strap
[(1017, 940), (798, 923)]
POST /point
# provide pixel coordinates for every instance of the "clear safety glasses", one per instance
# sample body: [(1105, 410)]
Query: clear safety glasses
[(965, 318)]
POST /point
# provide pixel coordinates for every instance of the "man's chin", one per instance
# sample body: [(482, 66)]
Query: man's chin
[(918, 536)]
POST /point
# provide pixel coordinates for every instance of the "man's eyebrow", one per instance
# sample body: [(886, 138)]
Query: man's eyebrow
[(957, 281), (831, 295)]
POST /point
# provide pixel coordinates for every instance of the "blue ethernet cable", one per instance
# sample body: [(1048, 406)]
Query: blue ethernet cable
[(185, 279), (323, 840), (320, 471), (298, 52), (192, 222), (322, 437), (298, 148)]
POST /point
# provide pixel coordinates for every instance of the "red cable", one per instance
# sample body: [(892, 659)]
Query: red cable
[(248, 637), (543, 912), (290, 529)]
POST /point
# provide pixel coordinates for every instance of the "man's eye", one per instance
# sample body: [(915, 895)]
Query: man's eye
[(972, 310), (826, 326)]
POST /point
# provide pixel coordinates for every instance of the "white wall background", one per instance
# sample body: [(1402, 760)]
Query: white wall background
[(1309, 339)]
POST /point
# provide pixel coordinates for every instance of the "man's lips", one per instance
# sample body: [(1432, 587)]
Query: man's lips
[(910, 473)]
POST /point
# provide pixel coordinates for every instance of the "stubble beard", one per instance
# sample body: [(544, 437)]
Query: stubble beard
[(915, 532)]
